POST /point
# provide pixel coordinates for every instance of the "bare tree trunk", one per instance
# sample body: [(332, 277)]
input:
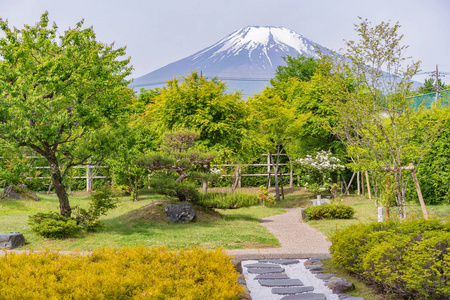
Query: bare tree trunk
[(236, 177), (205, 186)]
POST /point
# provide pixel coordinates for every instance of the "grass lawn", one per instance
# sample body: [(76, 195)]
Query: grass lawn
[(125, 226), (366, 211)]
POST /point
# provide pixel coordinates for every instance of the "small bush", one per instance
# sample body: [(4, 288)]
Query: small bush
[(53, 225), (127, 273), (329, 211), (409, 260), (100, 202), (228, 200)]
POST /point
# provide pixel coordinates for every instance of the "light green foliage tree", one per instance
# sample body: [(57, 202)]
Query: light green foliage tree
[(131, 142), (301, 84), (203, 105), (58, 93), (276, 126), (374, 112)]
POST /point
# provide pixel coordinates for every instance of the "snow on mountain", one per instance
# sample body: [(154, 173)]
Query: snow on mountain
[(246, 59)]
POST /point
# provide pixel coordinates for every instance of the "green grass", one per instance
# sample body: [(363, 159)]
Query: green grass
[(366, 211), (239, 228), (361, 288)]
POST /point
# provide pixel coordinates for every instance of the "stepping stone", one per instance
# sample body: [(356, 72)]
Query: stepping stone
[(281, 261), (292, 290), (272, 276), (325, 276), (280, 282), (265, 270), (305, 296), (314, 267), (258, 265)]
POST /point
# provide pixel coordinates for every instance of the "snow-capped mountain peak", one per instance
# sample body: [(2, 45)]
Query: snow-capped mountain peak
[(249, 54)]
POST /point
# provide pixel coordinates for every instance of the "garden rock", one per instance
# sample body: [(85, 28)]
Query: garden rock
[(19, 192), (11, 240), (340, 285), (180, 213)]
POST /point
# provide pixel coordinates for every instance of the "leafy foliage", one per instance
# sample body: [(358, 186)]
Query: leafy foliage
[(329, 211), (165, 184), (434, 172), (100, 202), (61, 94), (376, 120), (409, 259), (127, 273), (53, 225)]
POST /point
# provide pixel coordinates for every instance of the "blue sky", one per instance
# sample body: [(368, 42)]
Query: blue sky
[(158, 32)]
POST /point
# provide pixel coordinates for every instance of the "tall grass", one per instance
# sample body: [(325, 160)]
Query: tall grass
[(228, 200)]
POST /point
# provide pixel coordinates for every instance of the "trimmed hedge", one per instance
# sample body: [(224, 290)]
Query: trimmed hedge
[(127, 273), (329, 211), (407, 260)]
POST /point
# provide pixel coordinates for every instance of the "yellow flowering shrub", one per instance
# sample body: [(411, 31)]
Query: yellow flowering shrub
[(127, 273)]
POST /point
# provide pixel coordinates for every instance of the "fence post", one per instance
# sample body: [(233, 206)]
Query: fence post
[(88, 179)]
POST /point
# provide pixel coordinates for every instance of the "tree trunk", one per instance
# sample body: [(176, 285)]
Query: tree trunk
[(277, 185), (60, 189), (236, 177), (205, 186)]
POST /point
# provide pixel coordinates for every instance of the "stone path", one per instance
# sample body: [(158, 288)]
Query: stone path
[(297, 239), (292, 271)]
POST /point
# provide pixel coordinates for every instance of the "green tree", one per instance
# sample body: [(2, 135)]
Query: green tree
[(300, 67), (374, 112), (429, 86), (276, 125), (201, 104), (58, 92)]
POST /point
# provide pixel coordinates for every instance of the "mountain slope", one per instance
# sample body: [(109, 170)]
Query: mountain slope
[(247, 58)]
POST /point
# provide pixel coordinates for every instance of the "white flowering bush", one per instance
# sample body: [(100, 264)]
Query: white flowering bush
[(319, 169)]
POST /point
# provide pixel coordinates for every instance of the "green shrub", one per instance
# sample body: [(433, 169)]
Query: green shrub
[(228, 200), (410, 260), (329, 211), (100, 202), (54, 225)]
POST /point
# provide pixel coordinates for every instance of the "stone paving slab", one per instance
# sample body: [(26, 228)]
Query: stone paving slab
[(281, 261), (266, 266), (325, 276), (306, 296), (272, 276), (280, 282), (265, 270), (292, 290)]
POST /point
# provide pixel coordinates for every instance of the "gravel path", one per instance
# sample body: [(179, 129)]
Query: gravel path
[(297, 239)]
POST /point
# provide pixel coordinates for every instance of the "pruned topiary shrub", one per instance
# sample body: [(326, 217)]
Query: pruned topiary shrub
[(409, 260), (329, 211), (127, 273)]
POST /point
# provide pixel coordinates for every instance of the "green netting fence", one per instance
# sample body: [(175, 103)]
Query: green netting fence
[(427, 100)]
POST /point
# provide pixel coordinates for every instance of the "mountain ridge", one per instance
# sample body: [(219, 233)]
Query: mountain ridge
[(246, 58)]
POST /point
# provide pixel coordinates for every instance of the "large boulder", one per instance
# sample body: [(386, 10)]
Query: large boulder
[(180, 213), (19, 192), (340, 285), (11, 240)]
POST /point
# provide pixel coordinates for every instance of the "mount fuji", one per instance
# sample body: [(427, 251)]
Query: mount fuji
[(246, 59)]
